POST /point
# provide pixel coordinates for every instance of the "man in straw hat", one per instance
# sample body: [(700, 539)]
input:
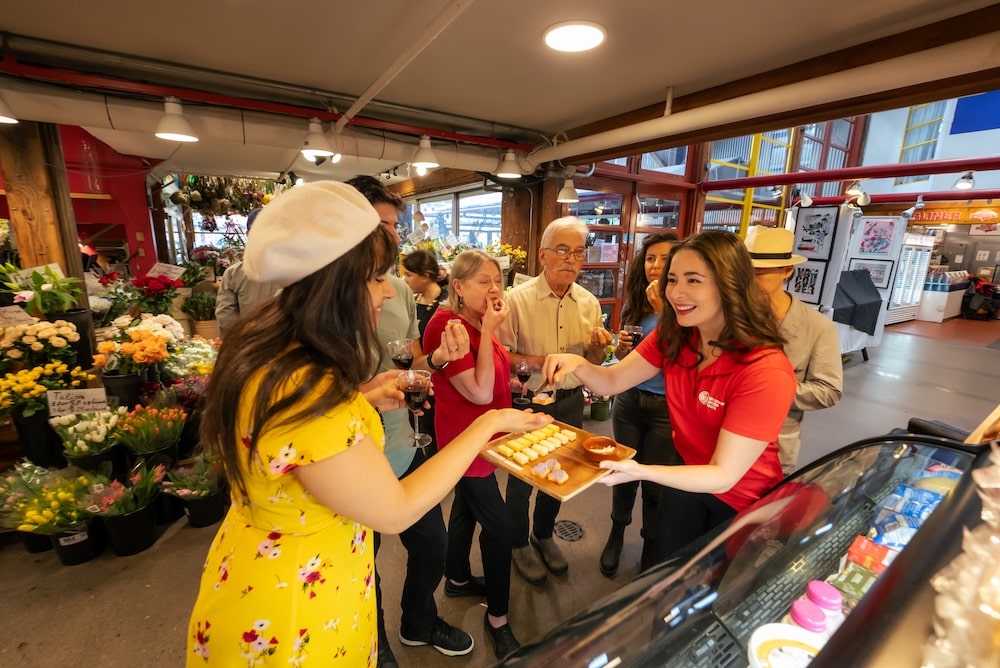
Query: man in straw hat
[(813, 345)]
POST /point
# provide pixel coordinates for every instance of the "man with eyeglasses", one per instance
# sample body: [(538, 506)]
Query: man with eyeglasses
[(550, 313)]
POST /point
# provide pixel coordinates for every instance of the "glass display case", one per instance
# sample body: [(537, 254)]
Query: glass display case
[(702, 607)]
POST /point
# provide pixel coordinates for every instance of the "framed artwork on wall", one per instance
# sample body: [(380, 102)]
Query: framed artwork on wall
[(879, 270), (876, 236), (806, 282), (814, 231)]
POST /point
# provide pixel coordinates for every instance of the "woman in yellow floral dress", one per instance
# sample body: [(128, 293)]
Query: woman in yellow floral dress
[(289, 577)]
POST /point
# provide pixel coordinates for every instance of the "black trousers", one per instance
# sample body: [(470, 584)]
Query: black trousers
[(479, 500), (684, 516), (641, 421), (425, 543), (568, 409)]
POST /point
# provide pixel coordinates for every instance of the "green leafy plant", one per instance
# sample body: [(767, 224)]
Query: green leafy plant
[(200, 306), (201, 478), (194, 273), (43, 292)]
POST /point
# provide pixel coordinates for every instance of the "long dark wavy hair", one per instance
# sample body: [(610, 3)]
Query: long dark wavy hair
[(749, 321), (637, 306), (317, 333)]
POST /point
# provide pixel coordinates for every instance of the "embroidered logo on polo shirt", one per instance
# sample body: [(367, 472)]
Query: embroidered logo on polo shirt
[(709, 401)]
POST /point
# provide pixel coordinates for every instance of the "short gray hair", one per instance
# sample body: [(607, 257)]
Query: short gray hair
[(564, 223)]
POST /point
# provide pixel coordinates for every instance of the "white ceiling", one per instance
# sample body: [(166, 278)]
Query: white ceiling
[(488, 69)]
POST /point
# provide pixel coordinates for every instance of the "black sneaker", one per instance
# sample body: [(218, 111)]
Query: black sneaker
[(476, 586), (504, 642), (445, 638), (386, 659)]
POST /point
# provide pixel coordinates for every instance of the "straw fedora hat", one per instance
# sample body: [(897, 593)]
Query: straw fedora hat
[(771, 247)]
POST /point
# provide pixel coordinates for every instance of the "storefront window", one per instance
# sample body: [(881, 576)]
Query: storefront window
[(597, 207), (659, 212), (668, 161), (439, 216), (479, 218)]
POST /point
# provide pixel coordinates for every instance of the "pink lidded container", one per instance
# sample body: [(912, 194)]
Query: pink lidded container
[(807, 615), (830, 600)]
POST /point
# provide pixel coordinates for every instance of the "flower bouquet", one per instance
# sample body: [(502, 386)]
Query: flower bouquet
[(194, 273), (44, 291), (48, 502), (152, 434), (142, 349), (209, 258), (116, 299), (200, 479), (195, 357), (22, 393), (200, 306), (88, 433), (17, 487), (38, 342), (127, 509), (156, 293)]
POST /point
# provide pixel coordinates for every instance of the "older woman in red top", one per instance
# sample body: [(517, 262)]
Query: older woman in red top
[(729, 387), (465, 389)]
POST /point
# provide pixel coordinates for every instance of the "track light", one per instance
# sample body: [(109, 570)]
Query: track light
[(568, 194), (854, 189), (965, 182), (908, 213), (316, 144), (805, 200), (920, 202), (424, 156), (508, 166), (864, 199), (6, 115), (418, 216), (173, 126)]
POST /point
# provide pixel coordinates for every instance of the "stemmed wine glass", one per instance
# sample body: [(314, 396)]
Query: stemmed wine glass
[(415, 385), (401, 352), (523, 372)]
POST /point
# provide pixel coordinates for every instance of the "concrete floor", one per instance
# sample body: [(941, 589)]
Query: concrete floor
[(115, 612)]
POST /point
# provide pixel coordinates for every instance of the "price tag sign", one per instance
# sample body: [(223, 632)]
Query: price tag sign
[(69, 402), (503, 261), (25, 274), (168, 270), (14, 315)]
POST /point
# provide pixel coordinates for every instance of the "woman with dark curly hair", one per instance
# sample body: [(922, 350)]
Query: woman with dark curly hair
[(640, 416), (729, 387)]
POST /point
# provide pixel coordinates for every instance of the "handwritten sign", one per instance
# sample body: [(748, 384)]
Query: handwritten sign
[(25, 274), (168, 270), (503, 261), (14, 315), (69, 402)]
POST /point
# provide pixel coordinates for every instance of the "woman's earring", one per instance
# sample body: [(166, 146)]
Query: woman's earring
[(460, 302)]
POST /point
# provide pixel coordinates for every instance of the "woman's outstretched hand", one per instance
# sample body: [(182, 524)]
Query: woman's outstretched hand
[(626, 470)]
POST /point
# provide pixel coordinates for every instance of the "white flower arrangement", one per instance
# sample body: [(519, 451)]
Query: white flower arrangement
[(161, 324), (88, 433), (193, 357), (4, 230), (38, 341)]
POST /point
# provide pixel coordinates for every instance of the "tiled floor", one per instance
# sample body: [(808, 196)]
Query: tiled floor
[(127, 611)]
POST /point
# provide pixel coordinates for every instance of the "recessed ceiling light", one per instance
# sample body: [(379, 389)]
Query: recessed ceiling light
[(572, 36)]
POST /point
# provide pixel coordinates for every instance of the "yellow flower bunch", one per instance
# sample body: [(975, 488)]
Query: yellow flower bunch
[(516, 253), (39, 341), (57, 504), (23, 392), (142, 349)]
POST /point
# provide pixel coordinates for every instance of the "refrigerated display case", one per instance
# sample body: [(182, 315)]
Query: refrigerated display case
[(914, 259), (702, 606)]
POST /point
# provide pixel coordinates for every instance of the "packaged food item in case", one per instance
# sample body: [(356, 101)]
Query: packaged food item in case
[(893, 529), (939, 478), (872, 556), (853, 582), (782, 646), (828, 599), (918, 503)]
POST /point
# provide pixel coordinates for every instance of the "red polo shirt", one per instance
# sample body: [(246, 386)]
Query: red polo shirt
[(748, 394), (452, 411)]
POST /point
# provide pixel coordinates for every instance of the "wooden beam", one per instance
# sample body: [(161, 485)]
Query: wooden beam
[(76, 195), (438, 179), (34, 214)]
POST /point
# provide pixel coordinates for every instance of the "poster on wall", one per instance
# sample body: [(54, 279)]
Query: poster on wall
[(876, 237), (984, 230), (806, 282), (879, 270), (814, 232)]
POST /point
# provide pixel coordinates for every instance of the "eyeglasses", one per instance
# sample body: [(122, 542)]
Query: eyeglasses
[(564, 253)]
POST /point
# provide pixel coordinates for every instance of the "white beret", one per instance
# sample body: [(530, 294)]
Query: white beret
[(304, 229)]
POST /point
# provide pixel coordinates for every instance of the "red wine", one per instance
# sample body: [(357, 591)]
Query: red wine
[(636, 338), (523, 376), (415, 395), (403, 361)]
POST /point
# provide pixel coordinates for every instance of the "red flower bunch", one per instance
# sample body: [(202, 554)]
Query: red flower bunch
[(157, 292), (109, 278)]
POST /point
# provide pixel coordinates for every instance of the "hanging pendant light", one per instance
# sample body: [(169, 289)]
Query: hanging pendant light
[(568, 194), (174, 126), (424, 156), (508, 166), (7, 116), (316, 144), (965, 182)]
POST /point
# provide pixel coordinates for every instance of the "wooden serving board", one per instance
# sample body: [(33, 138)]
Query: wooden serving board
[(583, 472)]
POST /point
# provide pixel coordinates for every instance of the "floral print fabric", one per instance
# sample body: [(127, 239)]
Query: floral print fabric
[(287, 582)]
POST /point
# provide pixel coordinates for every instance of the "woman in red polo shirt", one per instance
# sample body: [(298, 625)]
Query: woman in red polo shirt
[(729, 387), (464, 390)]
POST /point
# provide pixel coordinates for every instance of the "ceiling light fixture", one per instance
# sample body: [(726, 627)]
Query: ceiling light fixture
[(568, 194), (574, 36), (508, 166), (316, 144), (418, 216), (424, 156), (965, 182), (920, 202), (864, 199), (854, 189), (6, 115), (173, 126)]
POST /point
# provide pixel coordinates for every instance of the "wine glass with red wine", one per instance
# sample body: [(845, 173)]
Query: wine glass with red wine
[(523, 372), (401, 352), (415, 385)]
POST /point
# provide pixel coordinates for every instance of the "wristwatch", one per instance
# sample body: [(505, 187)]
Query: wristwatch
[(430, 362)]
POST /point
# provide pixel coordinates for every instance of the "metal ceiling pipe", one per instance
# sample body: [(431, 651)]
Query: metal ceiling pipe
[(444, 19), (893, 170), (959, 58), (908, 198)]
